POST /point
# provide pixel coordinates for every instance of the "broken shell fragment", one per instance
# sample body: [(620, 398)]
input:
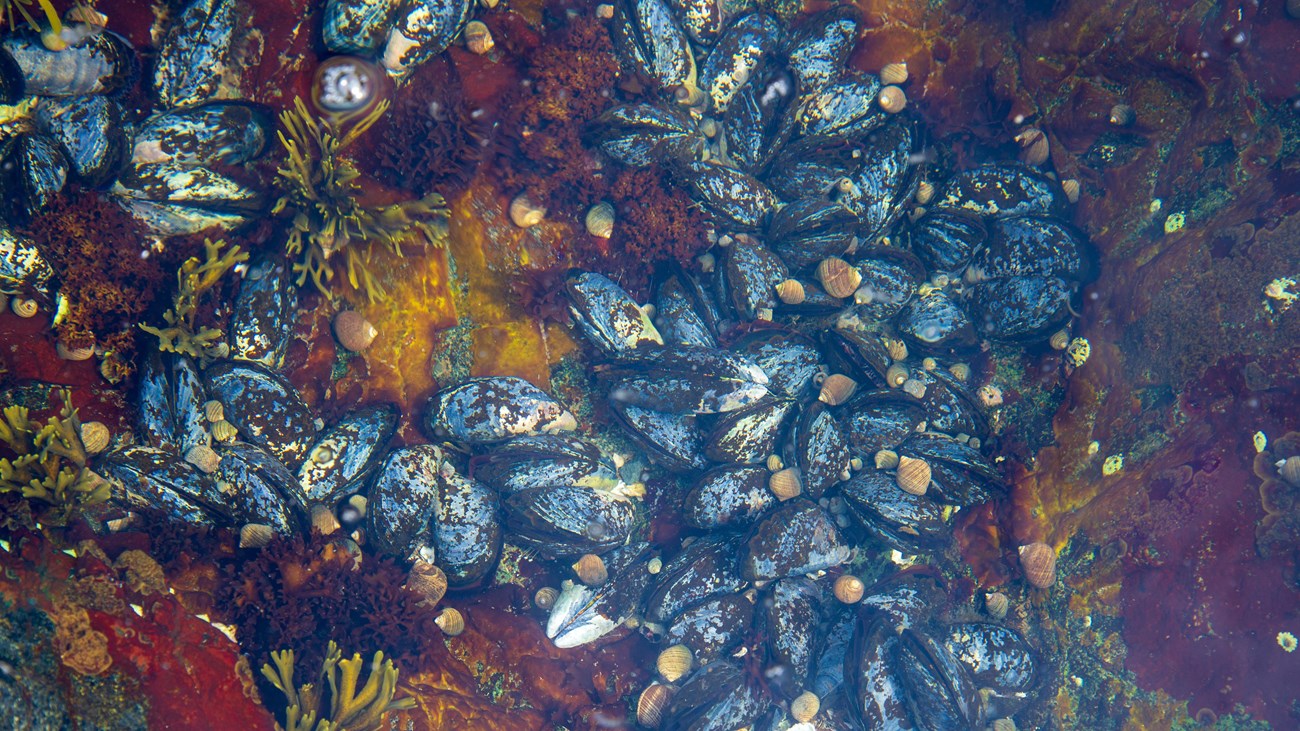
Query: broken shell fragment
[(1071, 188), (324, 520), (450, 621), (892, 99), (1038, 561), (354, 331), (674, 662), (1289, 470), (836, 389), (913, 475), (73, 354), (525, 213), (600, 220)]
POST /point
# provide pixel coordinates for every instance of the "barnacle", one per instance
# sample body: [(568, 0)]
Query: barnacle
[(49, 463), (349, 708), (321, 195), (193, 280)]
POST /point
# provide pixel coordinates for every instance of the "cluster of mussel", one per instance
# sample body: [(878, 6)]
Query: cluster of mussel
[(179, 171), (812, 381)]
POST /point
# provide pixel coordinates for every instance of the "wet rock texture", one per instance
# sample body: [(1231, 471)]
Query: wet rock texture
[(1167, 612)]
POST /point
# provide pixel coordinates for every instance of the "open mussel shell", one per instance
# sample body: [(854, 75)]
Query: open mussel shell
[(583, 614)]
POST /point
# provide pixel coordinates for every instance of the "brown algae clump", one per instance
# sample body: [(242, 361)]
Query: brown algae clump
[(350, 708), (321, 194), (194, 279), (49, 463)]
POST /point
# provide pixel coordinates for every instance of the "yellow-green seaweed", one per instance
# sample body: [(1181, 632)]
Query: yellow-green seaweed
[(193, 279), (350, 709), (49, 463), (322, 195), (10, 9)]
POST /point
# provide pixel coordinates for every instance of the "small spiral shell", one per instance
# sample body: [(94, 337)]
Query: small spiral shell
[(924, 192), (590, 570), (1059, 340), (213, 411), (354, 331), (223, 431), (651, 705), (774, 463), (785, 483), (324, 520), (23, 307), (428, 581), (805, 707), (1289, 470), (255, 535), (1004, 724), (73, 354), (1038, 561), (600, 220), (838, 277), (791, 292), (896, 375), (849, 589), (450, 621), (886, 459), (914, 388), (836, 389), (1070, 187), (913, 475), (525, 213), (960, 371), (892, 99), (674, 662), (1122, 115), (1034, 147), (545, 597), (996, 604), (95, 436), (478, 39), (204, 458), (894, 74)]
